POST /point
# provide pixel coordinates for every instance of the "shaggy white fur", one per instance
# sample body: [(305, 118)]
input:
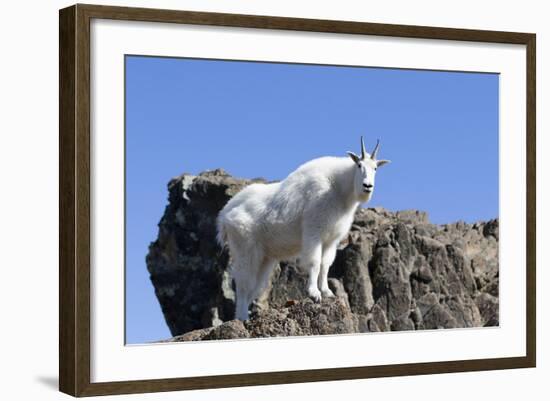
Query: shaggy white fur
[(305, 216)]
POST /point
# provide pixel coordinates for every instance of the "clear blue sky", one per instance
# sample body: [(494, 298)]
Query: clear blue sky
[(440, 129)]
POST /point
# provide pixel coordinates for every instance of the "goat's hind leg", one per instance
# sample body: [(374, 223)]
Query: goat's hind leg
[(244, 286), (261, 293), (247, 276), (329, 253), (243, 300)]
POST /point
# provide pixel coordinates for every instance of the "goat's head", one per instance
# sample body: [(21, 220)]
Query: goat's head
[(366, 171)]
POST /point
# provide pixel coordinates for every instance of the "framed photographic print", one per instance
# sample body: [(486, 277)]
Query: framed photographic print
[(313, 200)]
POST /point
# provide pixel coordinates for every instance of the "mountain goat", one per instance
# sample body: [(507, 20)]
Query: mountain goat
[(306, 216)]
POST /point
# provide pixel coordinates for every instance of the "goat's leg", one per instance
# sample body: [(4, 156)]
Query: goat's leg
[(311, 262), (241, 311), (329, 253), (243, 300), (244, 284), (261, 293), (248, 276)]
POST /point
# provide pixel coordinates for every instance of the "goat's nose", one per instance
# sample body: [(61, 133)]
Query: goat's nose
[(367, 186)]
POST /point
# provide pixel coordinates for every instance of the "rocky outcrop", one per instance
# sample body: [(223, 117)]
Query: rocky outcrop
[(395, 271)]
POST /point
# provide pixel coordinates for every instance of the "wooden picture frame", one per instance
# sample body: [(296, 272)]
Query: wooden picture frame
[(75, 199)]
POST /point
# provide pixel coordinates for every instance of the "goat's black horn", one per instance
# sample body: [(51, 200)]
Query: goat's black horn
[(373, 155)]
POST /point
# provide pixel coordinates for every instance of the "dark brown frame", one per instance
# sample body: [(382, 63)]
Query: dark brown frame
[(74, 199)]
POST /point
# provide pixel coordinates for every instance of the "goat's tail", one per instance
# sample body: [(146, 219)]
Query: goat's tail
[(222, 239), (222, 233)]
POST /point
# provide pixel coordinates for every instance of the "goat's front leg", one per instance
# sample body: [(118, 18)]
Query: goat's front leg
[(311, 262), (329, 253)]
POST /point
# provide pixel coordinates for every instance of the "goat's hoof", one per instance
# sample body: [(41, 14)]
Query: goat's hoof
[(327, 293), (315, 295)]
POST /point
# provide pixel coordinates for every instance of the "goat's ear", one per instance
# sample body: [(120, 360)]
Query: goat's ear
[(356, 159), (380, 163)]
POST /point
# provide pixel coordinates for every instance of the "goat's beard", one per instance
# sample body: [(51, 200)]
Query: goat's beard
[(365, 196)]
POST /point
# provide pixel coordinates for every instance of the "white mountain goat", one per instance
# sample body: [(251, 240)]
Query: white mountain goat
[(306, 215)]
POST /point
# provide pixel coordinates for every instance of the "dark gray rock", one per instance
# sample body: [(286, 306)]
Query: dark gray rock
[(273, 323), (227, 331), (427, 302), (439, 317), (352, 265), (379, 318), (491, 229), (288, 282), (390, 275), (331, 316), (402, 323), (488, 309), (365, 323), (394, 271), (416, 317), (338, 290), (187, 268), (465, 311)]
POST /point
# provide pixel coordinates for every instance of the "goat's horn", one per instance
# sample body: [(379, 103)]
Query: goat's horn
[(363, 151), (373, 154)]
